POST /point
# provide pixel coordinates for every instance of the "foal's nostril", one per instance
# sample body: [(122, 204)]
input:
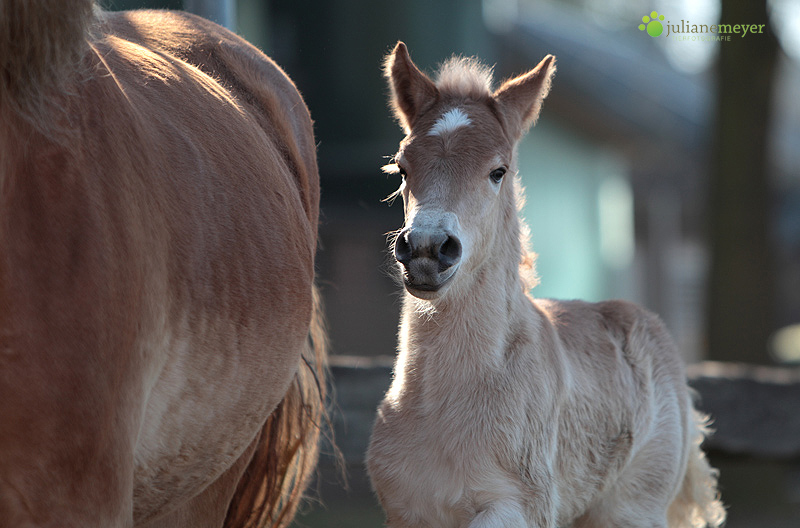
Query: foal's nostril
[(402, 249), (449, 253), (442, 248)]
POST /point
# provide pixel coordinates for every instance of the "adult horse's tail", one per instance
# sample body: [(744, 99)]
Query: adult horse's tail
[(41, 43), (273, 484)]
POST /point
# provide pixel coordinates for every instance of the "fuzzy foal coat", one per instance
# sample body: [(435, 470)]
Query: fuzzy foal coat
[(507, 411)]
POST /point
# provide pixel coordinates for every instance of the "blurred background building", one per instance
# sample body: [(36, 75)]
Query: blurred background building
[(663, 171), (618, 171)]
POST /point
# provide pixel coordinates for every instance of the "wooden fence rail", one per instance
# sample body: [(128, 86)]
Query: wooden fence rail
[(755, 410), (756, 443)]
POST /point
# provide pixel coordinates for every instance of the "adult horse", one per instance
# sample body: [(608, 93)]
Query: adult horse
[(160, 350)]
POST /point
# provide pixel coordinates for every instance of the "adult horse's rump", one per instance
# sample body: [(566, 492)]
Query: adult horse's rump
[(158, 209)]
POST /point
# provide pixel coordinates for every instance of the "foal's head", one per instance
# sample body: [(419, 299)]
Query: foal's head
[(458, 166)]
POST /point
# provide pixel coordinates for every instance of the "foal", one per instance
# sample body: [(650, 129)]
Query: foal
[(508, 411)]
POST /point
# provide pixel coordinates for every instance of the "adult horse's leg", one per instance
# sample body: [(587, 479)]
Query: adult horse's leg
[(71, 376), (69, 403), (62, 463)]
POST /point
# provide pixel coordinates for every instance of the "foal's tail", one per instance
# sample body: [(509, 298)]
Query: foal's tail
[(273, 483), (698, 504)]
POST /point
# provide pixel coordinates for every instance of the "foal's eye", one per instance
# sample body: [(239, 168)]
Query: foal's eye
[(497, 175)]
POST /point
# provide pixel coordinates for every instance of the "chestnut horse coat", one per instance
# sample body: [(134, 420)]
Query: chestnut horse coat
[(158, 217)]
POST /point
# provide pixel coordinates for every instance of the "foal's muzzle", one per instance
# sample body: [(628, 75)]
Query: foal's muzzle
[(429, 259)]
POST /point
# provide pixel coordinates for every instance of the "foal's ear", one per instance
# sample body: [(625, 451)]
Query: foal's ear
[(521, 98), (412, 90)]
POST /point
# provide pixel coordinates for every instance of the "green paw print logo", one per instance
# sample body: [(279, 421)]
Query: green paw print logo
[(652, 24)]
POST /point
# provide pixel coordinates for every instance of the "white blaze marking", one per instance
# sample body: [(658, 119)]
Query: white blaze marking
[(450, 120)]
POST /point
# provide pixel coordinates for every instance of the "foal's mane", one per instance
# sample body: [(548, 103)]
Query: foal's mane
[(464, 77)]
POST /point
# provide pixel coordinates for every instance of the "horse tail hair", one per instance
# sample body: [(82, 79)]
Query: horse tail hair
[(698, 503), (41, 45), (273, 484)]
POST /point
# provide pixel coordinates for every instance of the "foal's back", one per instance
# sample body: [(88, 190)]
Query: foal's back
[(625, 414)]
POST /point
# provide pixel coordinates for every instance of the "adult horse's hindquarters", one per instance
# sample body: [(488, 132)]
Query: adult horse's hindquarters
[(158, 218)]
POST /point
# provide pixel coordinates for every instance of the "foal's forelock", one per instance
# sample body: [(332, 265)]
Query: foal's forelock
[(464, 77)]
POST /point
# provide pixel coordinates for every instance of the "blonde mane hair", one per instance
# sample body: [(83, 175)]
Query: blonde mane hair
[(465, 76), (527, 264)]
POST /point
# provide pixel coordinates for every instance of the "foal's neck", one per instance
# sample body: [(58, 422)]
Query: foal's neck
[(471, 325)]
